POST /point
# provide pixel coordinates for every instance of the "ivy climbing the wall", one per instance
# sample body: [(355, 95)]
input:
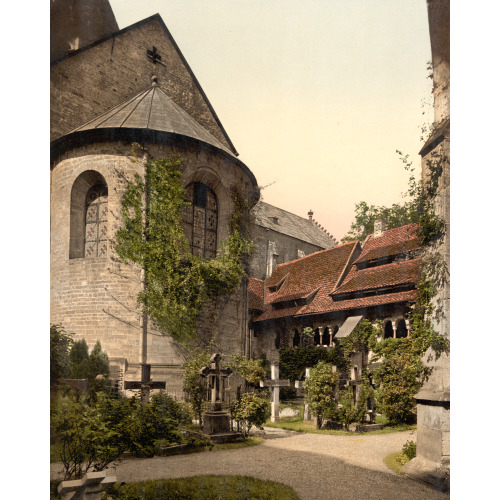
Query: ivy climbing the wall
[(176, 283)]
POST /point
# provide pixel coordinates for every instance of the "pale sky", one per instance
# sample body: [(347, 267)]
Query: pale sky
[(316, 95)]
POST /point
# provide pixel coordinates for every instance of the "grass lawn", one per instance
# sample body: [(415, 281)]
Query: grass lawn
[(392, 462), (298, 425), (200, 488)]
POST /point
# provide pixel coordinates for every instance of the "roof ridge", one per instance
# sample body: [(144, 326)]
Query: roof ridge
[(315, 253)]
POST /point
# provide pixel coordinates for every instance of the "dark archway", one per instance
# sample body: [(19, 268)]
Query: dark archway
[(316, 337), (401, 330), (296, 339), (388, 330), (326, 336)]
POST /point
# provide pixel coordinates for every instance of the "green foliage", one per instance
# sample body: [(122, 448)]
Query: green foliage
[(86, 438), (93, 367), (176, 283), (399, 377), (294, 360), (417, 208), (362, 339), (60, 345), (347, 412), (252, 370), (410, 449), (92, 433), (98, 369), (79, 359), (194, 384), (205, 487), (251, 409), (320, 391)]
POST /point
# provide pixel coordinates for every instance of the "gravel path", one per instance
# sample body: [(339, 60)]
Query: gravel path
[(317, 466)]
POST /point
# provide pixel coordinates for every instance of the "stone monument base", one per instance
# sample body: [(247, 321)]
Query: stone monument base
[(217, 426), (216, 422), (429, 472)]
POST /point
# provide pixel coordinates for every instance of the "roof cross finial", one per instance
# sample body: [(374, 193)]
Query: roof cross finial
[(154, 56)]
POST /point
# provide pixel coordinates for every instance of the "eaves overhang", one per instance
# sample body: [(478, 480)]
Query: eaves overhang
[(142, 136)]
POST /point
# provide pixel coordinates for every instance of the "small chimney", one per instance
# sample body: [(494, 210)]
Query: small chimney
[(379, 227), (310, 213)]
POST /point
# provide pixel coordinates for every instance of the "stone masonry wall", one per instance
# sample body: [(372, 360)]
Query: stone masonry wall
[(287, 248), (96, 298), (94, 80)]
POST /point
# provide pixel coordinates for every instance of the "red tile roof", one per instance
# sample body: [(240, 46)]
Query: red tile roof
[(396, 273), (256, 294), (320, 271), (374, 300), (323, 272), (391, 242)]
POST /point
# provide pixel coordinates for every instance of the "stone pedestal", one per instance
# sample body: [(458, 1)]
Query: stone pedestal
[(432, 463), (216, 422)]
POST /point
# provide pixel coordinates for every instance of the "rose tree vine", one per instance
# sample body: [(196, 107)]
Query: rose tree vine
[(176, 283)]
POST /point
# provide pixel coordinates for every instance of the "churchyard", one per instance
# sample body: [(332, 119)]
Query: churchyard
[(95, 432)]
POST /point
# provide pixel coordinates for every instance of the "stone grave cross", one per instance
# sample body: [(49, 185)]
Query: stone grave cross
[(275, 383), (216, 379)]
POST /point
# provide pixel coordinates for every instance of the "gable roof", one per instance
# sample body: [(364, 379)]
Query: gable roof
[(310, 278), (72, 88), (391, 242), (281, 221), (387, 275), (152, 109), (329, 281)]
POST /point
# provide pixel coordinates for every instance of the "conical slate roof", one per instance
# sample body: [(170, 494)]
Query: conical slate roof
[(152, 110)]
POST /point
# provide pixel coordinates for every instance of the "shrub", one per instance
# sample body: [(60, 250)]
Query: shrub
[(60, 345), (79, 359), (320, 391), (410, 449), (86, 436), (194, 384), (251, 409)]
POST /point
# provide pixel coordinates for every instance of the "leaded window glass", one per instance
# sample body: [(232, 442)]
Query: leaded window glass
[(96, 221), (200, 220)]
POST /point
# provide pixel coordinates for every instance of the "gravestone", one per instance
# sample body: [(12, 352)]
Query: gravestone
[(275, 383), (87, 488), (216, 421)]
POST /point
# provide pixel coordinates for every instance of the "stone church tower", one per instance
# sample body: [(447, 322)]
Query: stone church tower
[(109, 89)]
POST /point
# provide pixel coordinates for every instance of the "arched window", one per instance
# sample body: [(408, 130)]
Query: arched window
[(89, 216), (200, 220), (296, 338), (388, 330), (401, 330), (277, 340)]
